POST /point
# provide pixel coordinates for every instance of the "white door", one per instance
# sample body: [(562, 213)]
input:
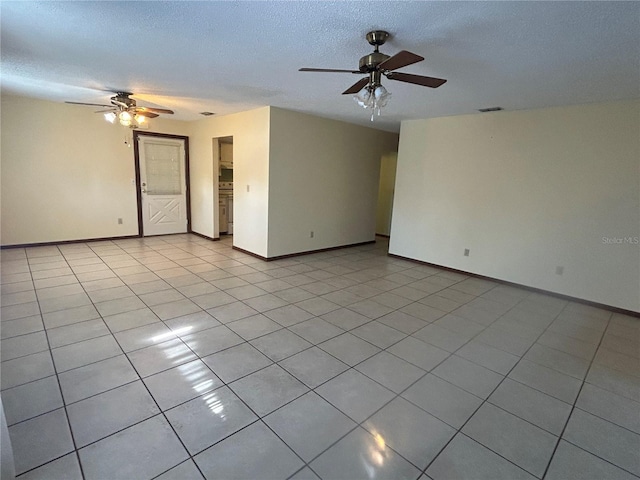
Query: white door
[(163, 185)]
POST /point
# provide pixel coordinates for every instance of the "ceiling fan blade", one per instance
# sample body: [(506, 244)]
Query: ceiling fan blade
[(356, 87), (330, 70), (399, 60), (153, 110), (147, 114), (105, 111), (416, 79), (90, 104)]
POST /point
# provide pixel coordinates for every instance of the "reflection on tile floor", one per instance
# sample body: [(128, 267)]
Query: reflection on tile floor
[(176, 357)]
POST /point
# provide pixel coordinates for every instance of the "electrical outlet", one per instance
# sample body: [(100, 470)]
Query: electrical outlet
[(466, 252), (248, 188), (119, 221), (559, 270), (311, 234)]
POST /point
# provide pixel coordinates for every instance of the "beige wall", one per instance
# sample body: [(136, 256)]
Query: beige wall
[(324, 178), (250, 131), (526, 192), (66, 173), (388, 165)]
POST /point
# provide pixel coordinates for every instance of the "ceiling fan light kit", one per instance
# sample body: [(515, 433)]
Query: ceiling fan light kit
[(369, 92), (125, 119), (373, 97), (125, 109)]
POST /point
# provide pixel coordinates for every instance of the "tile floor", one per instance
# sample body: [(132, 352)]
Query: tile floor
[(177, 358)]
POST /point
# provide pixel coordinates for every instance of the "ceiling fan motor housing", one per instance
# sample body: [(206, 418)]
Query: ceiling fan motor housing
[(370, 62), (123, 98)]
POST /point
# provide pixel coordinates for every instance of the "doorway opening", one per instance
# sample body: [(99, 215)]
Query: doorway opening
[(223, 151), (162, 181)]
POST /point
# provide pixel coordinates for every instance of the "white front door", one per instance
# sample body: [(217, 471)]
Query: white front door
[(163, 185)]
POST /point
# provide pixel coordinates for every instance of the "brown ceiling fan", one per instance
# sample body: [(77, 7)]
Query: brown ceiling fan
[(377, 64), (125, 109)]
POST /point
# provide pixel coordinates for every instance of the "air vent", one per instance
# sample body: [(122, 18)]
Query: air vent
[(207, 114), (490, 109)]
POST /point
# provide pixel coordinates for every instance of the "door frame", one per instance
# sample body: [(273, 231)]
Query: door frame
[(136, 154)]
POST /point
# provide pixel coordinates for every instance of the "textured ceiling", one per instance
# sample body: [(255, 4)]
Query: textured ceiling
[(226, 57)]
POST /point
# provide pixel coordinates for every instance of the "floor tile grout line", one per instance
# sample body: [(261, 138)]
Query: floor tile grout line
[(232, 322), (227, 385), (450, 353), (161, 412), (536, 342), (524, 419), (583, 381), (312, 345), (74, 453), (459, 348), (20, 335), (30, 381), (566, 353), (28, 354), (595, 455), (212, 327), (360, 424), (605, 419), (164, 416), (66, 413), (573, 406), (277, 363), (68, 404), (262, 368), (187, 460), (460, 432), (485, 400), (123, 312), (77, 450), (258, 417)]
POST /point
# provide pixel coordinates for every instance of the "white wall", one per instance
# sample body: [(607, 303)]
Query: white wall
[(526, 191), (323, 178), (66, 173), (388, 165), (250, 131)]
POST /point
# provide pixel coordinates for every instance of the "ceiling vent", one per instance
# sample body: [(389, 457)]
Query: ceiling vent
[(490, 109), (207, 114)]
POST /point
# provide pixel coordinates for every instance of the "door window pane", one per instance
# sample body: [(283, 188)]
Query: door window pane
[(163, 170)]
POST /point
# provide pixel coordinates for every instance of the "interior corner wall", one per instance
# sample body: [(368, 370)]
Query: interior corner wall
[(526, 192), (66, 173), (388, 165), (323, 177), (250, 131)]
